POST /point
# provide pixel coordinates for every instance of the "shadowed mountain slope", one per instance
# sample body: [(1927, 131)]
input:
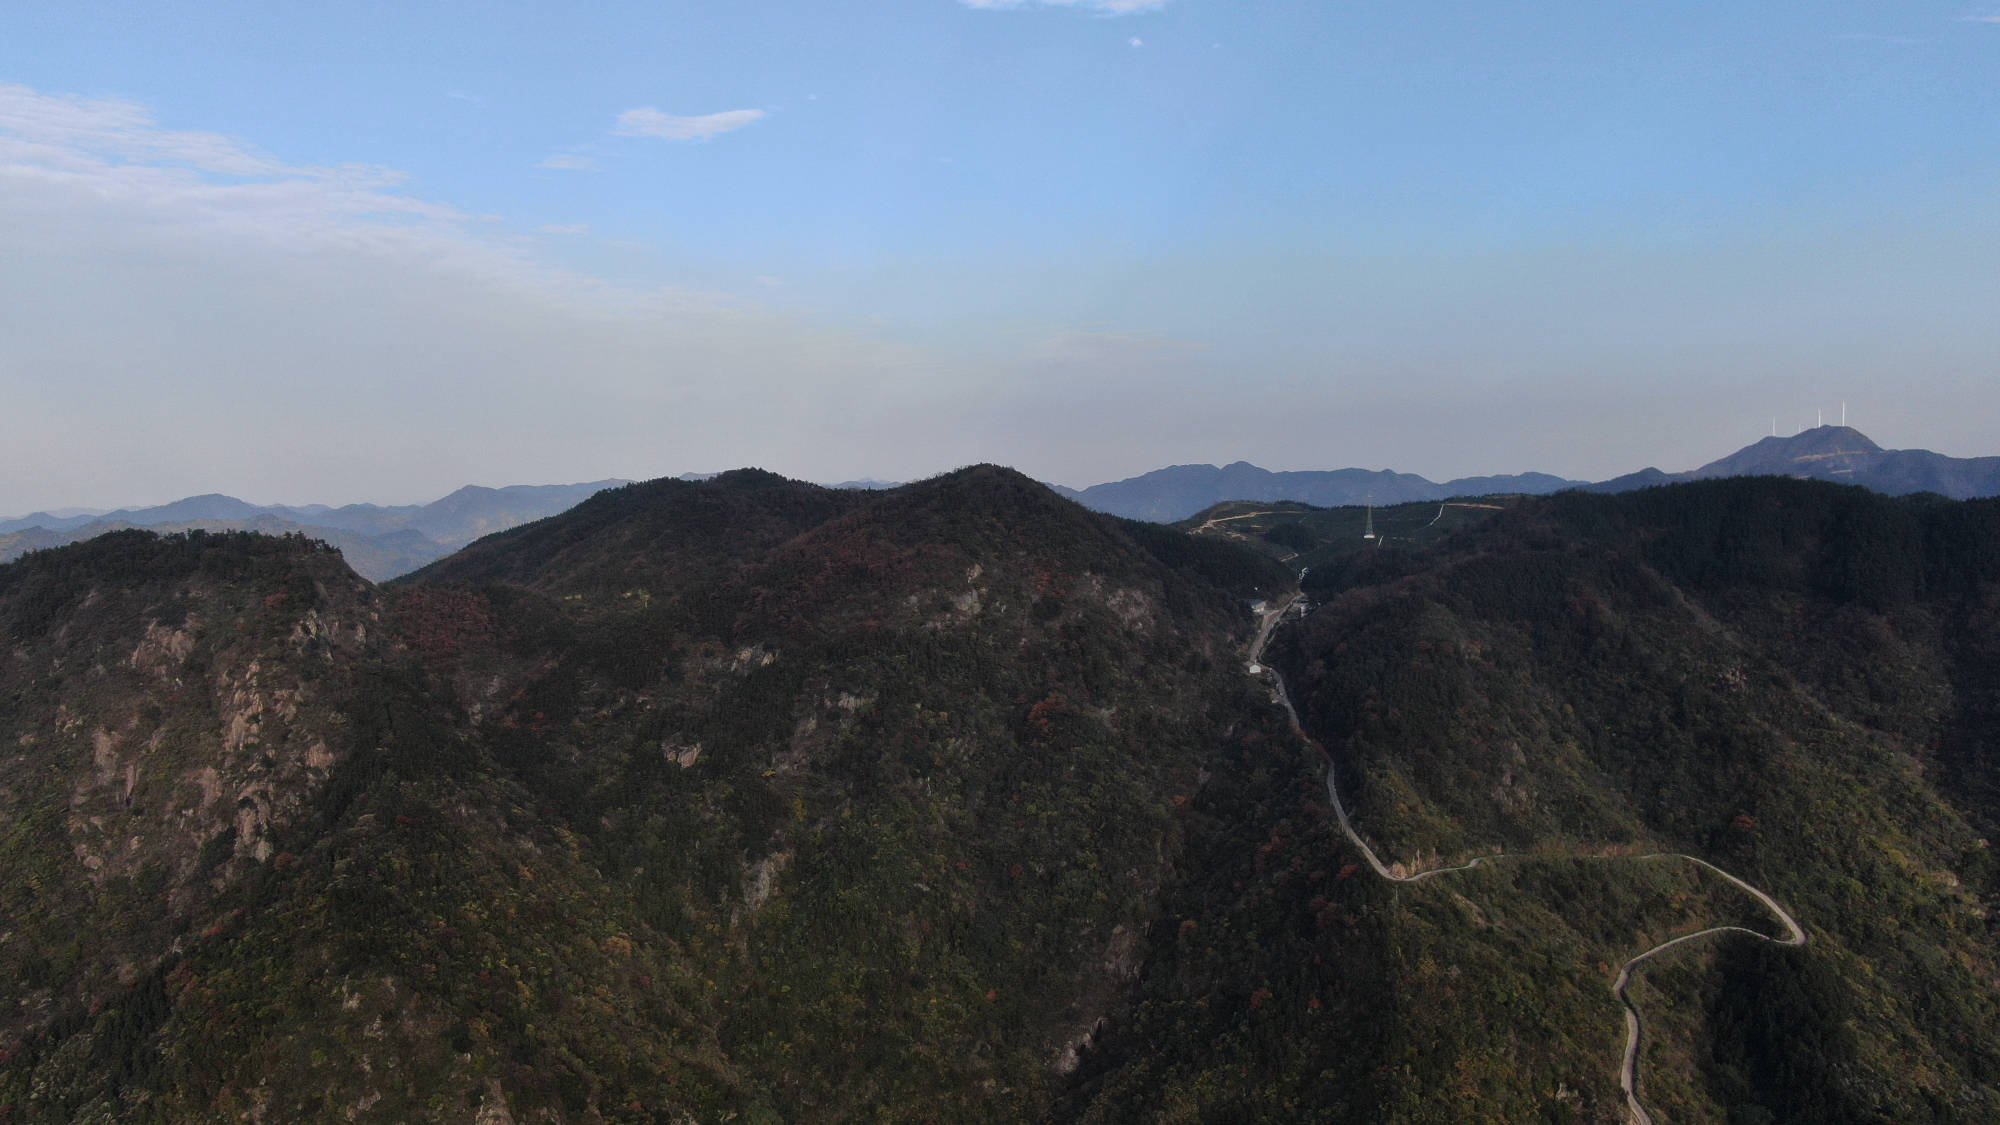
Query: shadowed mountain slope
[(1791, 679), (738, 798), (893, 769), (666, 527), (748, 799)]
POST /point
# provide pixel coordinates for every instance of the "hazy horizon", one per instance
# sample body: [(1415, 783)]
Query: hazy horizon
[(369, 254), (73, 510)]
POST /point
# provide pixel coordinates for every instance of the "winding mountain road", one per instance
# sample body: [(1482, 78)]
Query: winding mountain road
[(1628, 1071), (1213, 520)]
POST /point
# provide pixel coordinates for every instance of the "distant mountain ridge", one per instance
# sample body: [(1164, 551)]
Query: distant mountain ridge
[(1844, 454), (379, 541), (384, 541), (1175, 493), (1840, 454)]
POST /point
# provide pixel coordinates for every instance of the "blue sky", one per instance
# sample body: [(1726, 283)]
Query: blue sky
[(376, 250)]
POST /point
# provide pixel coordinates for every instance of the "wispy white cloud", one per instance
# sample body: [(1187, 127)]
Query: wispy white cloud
[(114, 151), (567, 162), (65, 157), (650, 122), (208, 316), (31, 122), (564, 228), (1106, 7)]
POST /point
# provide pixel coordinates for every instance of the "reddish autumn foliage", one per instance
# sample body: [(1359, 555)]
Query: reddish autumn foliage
[(443, 624), (1043, 716)]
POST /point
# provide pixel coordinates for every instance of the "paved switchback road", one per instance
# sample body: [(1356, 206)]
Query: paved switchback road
[(1628, 1071)]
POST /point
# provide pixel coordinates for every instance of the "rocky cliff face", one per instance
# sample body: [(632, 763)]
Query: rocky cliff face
[(177, 716), (735, 797), (172, 711)]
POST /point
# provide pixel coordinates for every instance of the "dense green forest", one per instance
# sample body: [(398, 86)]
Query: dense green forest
[(1789, 679), (751, 800)]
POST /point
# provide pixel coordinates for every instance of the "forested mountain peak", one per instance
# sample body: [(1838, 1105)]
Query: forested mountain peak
[(674, 526), (732, 757), (652, 526), (748, 797)]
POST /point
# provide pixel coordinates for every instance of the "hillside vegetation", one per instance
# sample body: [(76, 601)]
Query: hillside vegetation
[(1792, 680), (737, 798), (746, 799)]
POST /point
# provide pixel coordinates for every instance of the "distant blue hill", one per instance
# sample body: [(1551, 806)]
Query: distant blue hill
[(1841, 454), (1834, 453), (212, 506), (379, 541), (1175, 493)]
